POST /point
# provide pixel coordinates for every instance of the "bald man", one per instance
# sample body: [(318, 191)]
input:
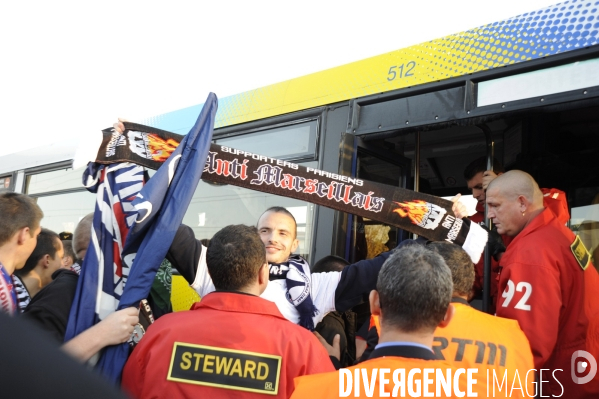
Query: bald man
[(478, 180), (81, 239), (549, 285)]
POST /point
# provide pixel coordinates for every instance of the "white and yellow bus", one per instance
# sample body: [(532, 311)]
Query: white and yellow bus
[(527, 86)]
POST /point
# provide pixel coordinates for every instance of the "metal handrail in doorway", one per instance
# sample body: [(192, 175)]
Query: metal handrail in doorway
[(488, 223)]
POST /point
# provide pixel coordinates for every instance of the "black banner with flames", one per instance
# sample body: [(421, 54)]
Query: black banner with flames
[(419, 213)]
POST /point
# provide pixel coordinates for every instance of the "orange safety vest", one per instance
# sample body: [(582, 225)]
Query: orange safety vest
[(474, 339), (329, 385)]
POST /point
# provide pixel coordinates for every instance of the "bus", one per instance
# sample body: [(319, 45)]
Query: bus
[(525, 89)]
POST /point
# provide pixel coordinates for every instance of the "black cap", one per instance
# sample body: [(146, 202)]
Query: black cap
[(65, 235)]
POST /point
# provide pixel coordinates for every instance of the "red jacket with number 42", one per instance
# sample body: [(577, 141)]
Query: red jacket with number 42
[(549, 285)]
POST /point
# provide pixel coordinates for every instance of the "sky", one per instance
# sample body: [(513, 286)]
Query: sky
[(69, 68)]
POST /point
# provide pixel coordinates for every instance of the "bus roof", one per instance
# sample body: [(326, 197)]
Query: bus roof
[(58, 152), (541, 33)]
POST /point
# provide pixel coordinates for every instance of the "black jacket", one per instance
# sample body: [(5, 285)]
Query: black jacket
[(50, 308)]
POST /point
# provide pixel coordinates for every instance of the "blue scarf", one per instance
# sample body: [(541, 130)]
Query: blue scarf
[(296, 273)]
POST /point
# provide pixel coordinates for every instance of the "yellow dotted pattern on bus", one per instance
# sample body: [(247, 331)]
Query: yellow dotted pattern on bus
[(555, 29), (182, 295)]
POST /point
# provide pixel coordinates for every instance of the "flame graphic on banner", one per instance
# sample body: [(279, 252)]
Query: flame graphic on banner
[(415, 210), (161, 149)]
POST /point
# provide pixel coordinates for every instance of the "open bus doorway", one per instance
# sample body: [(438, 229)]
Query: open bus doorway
[(368, 238), (557, 145)]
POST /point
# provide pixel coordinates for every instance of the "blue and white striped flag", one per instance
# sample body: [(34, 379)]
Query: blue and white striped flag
[(159, 210), (103, 274)]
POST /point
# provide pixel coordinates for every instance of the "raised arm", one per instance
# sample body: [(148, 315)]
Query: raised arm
[(356, 280), (185, 253), (188, 256), (361, 277)]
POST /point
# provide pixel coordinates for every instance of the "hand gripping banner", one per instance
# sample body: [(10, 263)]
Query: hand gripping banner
[(422, 214)]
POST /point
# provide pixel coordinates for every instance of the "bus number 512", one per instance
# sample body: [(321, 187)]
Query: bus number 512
[(398, 71)]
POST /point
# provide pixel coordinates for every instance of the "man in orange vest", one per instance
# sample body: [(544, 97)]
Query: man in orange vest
[(412, 299), (473, 337)]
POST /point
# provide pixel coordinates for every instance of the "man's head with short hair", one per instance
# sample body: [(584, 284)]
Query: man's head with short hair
[(18, 211), (474, 177), (19, 227), (235, 258), (82, 235), (281, 209), (514, 199), (413, 291), (480, 165), (460, 264), (278, 231), (330, 263), (69, 257), (46, 258)]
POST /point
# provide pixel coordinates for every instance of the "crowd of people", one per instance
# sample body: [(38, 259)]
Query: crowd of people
[(268, 323)]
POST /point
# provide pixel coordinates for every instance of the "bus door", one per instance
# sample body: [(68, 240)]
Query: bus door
[(367, 238)]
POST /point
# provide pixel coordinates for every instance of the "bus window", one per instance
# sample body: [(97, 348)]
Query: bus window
[(585, 223), (215, 206), (297, 141), (61, 196), (56, 180), (5, 183), (62, 212)]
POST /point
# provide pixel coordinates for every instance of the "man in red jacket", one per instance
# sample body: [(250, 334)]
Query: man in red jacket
[(231, 344), (549, 285), (478, 179)]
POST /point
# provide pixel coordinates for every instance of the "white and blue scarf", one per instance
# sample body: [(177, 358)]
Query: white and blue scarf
[(296, 273)]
